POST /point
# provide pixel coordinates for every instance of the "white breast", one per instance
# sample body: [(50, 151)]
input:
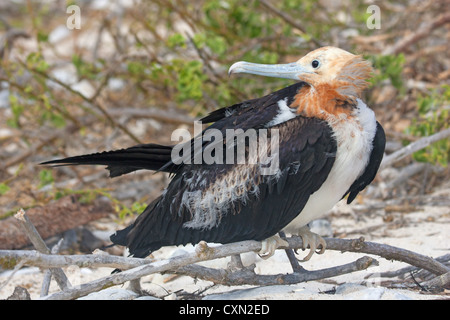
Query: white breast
[(354, 145)]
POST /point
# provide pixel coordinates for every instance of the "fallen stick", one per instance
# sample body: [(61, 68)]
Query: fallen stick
[(247, 276), (9, 258), (40, 245), (387, 252), (445, 259), (203, 252), (48, 273), (437, 282)]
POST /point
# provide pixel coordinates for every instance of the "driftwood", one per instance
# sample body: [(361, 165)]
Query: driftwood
[(40, 245), (184, 264), (34, 258), (203, 252), (55, 218)]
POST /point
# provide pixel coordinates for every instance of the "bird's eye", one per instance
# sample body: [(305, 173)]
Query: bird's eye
[(315, 64)]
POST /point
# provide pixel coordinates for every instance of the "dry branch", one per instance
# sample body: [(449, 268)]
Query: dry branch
[(143, 267), (413, 147), (288, 19), (34, 258), (9, 258), (445, 259), (40, 245), (437, 282), (422, 32), (384, 251), (48, 273), (94, 101), (160, 115), (7, 41), (203, 252), (247, 276)]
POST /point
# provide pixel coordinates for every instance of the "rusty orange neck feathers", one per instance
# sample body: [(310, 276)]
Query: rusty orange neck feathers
[(335, 85), (335, 78)]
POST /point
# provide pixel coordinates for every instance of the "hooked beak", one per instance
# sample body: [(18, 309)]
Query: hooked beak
[(287, 71)]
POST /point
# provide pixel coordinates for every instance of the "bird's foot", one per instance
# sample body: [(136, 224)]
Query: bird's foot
[(313, 241), (269, 245)]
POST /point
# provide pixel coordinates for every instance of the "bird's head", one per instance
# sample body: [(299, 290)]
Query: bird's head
[(331, 73)]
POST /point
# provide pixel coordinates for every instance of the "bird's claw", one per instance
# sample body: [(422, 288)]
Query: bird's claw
[(313, 241), (269, 245)]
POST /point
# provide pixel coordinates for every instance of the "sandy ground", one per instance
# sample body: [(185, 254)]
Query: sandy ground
[(424, 231)]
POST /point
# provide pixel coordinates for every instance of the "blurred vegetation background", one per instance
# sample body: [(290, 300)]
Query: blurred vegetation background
[(136, 70)]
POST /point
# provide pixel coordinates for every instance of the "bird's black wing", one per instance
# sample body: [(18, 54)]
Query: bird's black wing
[(379, 142), (144, 156), (158, 157), (231, 111), (230, 202)]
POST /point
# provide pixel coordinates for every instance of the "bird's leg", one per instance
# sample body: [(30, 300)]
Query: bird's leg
[(311, 240), (269, 245), (296, 267)]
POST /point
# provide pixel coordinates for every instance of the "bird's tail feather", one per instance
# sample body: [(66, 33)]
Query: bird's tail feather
[(145, 156)]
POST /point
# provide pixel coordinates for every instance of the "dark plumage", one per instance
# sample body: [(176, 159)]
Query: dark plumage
[(327, 142)]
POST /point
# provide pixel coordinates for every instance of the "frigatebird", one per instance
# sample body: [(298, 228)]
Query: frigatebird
[(328, 146)]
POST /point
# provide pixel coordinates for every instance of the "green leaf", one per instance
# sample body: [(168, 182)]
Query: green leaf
[(388, 67), (35, 60), (176, 40), (190, 80), (4, 189), (42, 37), (17, 109), (138, 207), (199, 40), (45, 177), (57, 120), (217, 44)]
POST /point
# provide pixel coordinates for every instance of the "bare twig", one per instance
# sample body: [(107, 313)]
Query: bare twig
[(40, 245), (160, 115), (7, 41), (385, 251), (413, 147), (249, 277), (235, 262), (17, 267), (203, 252), (437, 282), (44, 141), (420, 33), (94, 100), (48, 274), (30, 151), (401, 272), (34, 258), (289, 20), (296, 267)]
